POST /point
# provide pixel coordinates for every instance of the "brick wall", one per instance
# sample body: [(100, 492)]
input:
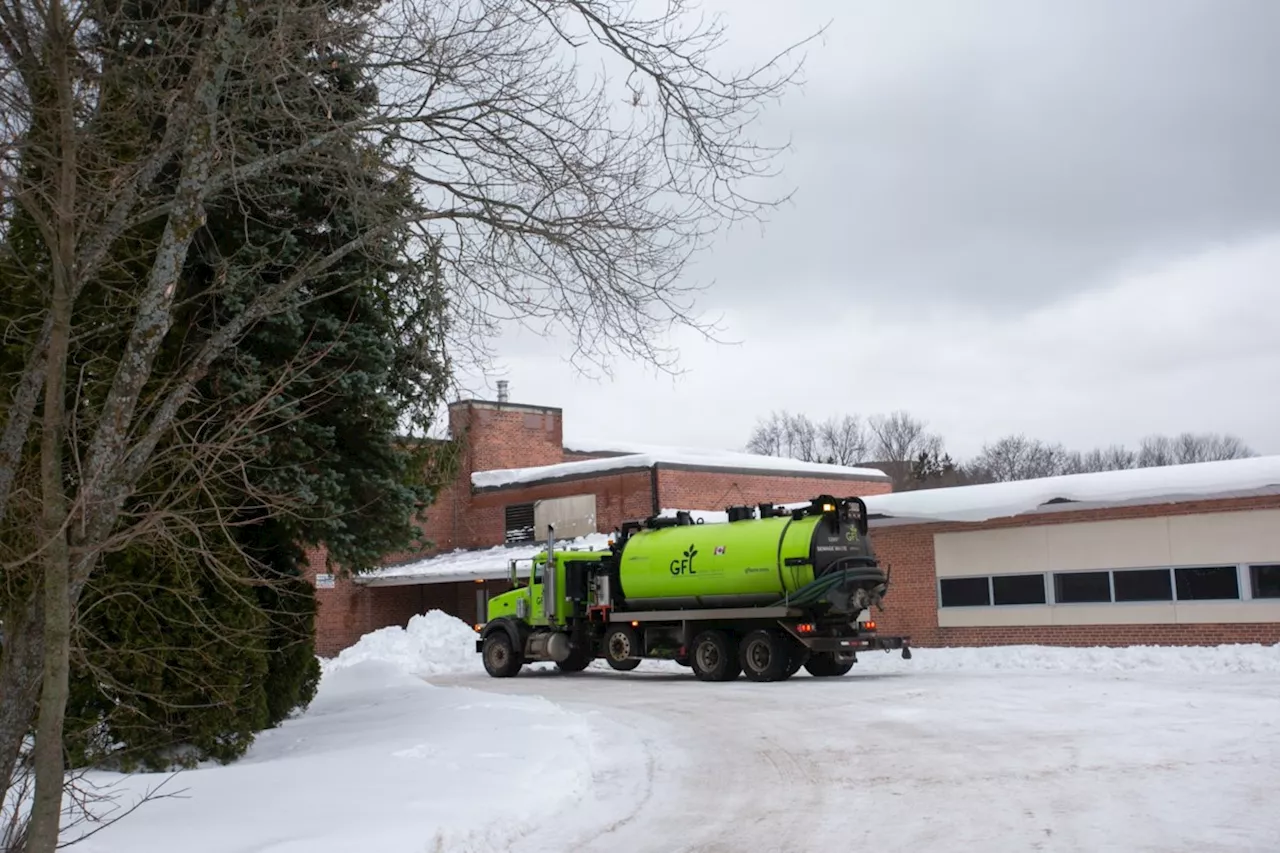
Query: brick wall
[(348, 611), (580, 456), (506, 435), (619, 495), (715, 490), (494, 436), (911, 607)]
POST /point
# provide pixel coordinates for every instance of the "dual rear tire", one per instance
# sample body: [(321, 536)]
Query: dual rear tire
[(827, 666), (762, 655), (714, 657)]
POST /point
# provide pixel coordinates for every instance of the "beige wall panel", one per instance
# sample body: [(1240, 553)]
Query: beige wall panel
[(1114, 614), (1225, 538), (1010, 551), (1229, 611), (1130, 543), (981, 617)]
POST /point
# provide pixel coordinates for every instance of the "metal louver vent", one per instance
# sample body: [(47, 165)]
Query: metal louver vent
[(519, 523)]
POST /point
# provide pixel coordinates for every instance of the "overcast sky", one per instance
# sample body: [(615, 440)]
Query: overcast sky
[(1054, 218)]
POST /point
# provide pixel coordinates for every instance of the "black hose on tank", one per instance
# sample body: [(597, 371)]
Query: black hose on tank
[(814, 590)]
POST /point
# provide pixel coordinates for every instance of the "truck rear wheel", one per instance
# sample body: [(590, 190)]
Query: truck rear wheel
[(798, 655), (622, 648), (713, 657), (765, 655), (827, 665), (500, 658)]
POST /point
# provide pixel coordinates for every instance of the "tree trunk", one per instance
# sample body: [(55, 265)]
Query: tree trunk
[(48, 758), (19, 686), (49, 765)]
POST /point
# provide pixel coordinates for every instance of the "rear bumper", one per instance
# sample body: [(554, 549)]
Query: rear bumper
[(869, 642)]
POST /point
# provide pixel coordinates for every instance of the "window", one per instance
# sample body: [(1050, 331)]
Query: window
[(1214, 582), (1143, 585), (1265, 581), (1018, 589), (519, 523), (1082, 587), (965, 592), (1182, 584)]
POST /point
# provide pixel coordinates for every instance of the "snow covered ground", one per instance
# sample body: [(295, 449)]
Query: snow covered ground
[(411, 747), (384, 761)]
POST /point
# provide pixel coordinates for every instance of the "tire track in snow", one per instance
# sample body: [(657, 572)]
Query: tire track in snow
[(1002, 762)]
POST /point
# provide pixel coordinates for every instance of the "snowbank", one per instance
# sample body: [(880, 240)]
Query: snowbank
[(1243, 658), (384, 761), (432, 644)]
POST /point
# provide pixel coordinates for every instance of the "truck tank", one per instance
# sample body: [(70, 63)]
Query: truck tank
[(748, 561)]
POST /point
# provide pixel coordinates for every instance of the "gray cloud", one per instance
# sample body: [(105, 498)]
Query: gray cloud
[(1009, 152), (1058, 218)]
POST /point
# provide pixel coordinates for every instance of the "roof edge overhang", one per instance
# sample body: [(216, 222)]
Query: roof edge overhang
[(739, 470), (1059, 506)]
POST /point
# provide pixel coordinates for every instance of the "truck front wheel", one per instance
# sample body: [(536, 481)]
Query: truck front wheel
[(714, 658), (500, 658)]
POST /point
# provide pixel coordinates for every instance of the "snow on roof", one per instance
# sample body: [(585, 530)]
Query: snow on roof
[(645, 456), (475, 564), (1237, 477), (1167, 484)]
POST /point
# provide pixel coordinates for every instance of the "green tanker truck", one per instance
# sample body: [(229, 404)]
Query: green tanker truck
[(763, 594)]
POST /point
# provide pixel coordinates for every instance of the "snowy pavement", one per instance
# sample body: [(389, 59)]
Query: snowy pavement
[(411, 747), (887, 759)]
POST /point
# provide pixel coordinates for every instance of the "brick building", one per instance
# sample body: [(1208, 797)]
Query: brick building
[(515, 476), (1186, 554)]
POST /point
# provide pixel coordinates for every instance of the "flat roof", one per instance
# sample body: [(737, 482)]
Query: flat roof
[(639, 457), (473, 564), (972, 504), (1128, 487)]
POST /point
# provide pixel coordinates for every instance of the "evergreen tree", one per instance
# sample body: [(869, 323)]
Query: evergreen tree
[(189, 645)]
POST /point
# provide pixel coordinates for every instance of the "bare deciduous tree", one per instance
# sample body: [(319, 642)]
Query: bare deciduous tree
[(1188, 447), (844, 441), (548, 201), (1113, 458), (1017, 457), (837, 440), (898, 440)]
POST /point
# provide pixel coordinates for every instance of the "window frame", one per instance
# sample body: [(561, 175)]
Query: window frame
[(1053, 583), (1250, 580), (938, 591), (1244, 579)]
